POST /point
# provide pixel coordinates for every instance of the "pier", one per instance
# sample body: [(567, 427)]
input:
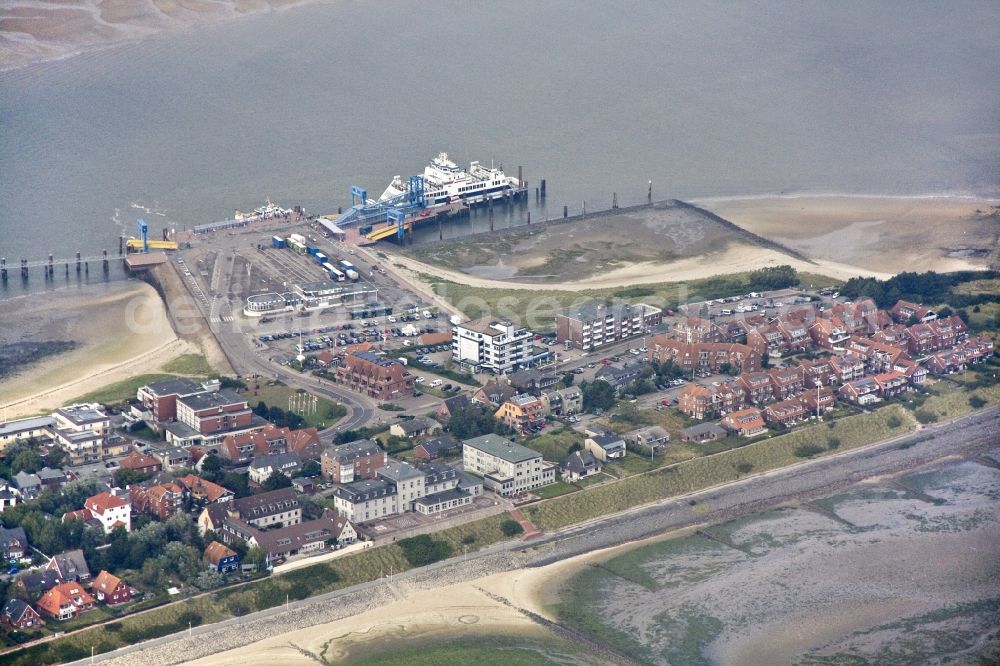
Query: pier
[(79, 263)]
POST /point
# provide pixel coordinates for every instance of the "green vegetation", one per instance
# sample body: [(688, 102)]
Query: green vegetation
[(555, 490), (189, 364), (278, 398), (122, 391), (423, 549), (698, 473), (537, 308), (511, 528), (929, 287)]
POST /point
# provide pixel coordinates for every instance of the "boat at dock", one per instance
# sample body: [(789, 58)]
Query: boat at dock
[(446, 183)]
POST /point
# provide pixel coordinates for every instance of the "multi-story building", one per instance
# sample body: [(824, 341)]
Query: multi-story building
[(346, 463), (830, 333), (35, 427), (704, 357), (786, 382), (757, 387), (214, 414), (520, 411), (110, 509), (160, 399), (696, 329), (263, 467), (378, 377), (746, 422), (786, 412), (82, 431), (366, 500), (267, 509), (161, 500), (507, 468), (594, 325), (496, 346), (864, 391)]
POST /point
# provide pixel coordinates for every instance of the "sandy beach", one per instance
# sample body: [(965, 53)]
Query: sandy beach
[(32, 31), (875, 233), (120, 329)]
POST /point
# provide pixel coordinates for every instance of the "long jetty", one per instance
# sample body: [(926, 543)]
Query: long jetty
[(80, 263)]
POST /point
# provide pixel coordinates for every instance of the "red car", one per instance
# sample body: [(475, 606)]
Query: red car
[(606, 361), (665, 402)]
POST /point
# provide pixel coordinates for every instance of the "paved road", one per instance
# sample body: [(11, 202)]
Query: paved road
[(968, 437)]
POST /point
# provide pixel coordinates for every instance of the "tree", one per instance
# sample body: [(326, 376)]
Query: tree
[(511, 528), (567, 379), (276, 481), (211, 467), (311, 468), (124, 477), (236, 482), (597, 394), (261, 409), (26, 461)]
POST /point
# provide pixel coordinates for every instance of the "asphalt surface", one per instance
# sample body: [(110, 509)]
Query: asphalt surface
[(966, 438)]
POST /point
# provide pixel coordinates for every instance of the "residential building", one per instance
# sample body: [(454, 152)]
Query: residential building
[(375, 376), (786, 382), (436, 448), (563, 402), (818, 400), (594, 325), (111, 589), (746, 422), (346, 463), (409, 482), (84, 432), (905, 311), (31, 584), (65, 601), (606, 447), (174, 457), (830, 333), (204, 492), (450, 406), (16, 614), (261, 468), (696, 329), (532, 380), (418, 426), (302, 538), (35, 427), (786, 412), (214, 413), (719, 398), (158, 499), (268, 509), (654, 438), (891, 384), (494, 393), (244, 447), (141, 463), (160, 398), (702, 432), (495, 346), (757, 387), (507, 468), (71, 565), (13, 543), (579, 465), (847, 367), (704, 357), (521, 411), (621, 377), (369, 499), (110, 508), (8, 496), (864, 391), (221, 558)]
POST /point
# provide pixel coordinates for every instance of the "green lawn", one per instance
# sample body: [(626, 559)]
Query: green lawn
[(555, 490), (537, 308), (554, 446), (698, 473), (947, 400), (121, 391), (325, 414), (189, 364)]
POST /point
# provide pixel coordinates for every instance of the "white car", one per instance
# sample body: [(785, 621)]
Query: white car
[(436, 382), (427, 314), (391, 319), (418, 380)]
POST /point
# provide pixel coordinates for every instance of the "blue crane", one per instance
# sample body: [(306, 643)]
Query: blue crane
[(144, 232)]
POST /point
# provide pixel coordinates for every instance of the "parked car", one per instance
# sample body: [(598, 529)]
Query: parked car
[(419, 380), (436, 382)]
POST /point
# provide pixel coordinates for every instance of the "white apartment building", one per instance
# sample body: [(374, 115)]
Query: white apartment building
[(507, 468), (362, 501), (491, 345)]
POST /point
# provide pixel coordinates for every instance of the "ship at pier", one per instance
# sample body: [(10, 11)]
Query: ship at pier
[(442, 190)]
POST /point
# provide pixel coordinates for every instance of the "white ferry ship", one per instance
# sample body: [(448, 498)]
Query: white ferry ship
[(446, 183), (266, 212)]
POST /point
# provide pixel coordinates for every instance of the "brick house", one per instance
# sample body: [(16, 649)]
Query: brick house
[(520, 411), (786, 382), (817, 373), (746, 422), (706, 357), (695, 401), (819, 400), (786, 412), (864, 391), (16, 614), (847, 367), (65, 601), (494, 393), (891, 384), (757, 387), (69, 566), (212, 413), (436, 448), (141, 463), (829, 333), (111, 589), (696, 329), (904, 311), (375, 376), (161, 500), (353, 461)]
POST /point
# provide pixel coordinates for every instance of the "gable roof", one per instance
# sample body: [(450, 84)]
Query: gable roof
[(216, 552), (101, 503), (212, 492), (106, 583), (439, 445), (136, 460), (579, 462), (71, 564), (15, 609)]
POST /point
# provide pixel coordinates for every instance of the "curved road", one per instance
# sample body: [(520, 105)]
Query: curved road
[(969, 437)]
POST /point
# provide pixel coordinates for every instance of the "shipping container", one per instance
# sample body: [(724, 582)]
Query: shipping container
[(312, 250), (277, 241)]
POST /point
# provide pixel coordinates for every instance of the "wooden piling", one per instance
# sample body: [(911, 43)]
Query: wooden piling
[(565, 212)]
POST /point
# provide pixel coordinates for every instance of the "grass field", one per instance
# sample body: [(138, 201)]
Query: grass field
[(555, 490), (948, 400), (189, 364), (537, 308), (325, 414), (698, 473), (119, 392)]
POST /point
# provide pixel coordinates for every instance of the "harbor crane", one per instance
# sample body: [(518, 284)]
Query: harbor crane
[(144, 233)]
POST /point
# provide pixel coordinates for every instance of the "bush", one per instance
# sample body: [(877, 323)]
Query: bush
[(744, 468), (926, 416), (422, 550), (469, 539), (833, 443), (511, 528), (894, 422), (808, 450), (976, 401)]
